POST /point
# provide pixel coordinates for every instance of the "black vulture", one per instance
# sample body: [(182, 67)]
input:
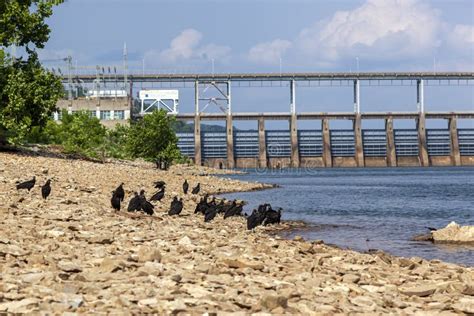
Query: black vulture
[(272, 217), (134, 204), (115, 201), (255, 219), (27, 184), (176, 206), (159, 184), (196, 189), (158, 195), (185, 186), (46, 189), (119, 192), (144, 205), (210, 214), (202, 206)]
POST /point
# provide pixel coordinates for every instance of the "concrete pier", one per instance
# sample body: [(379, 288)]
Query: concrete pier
[(327, 156), (453, 133), (197, 140), (359, 148), (262, 146), (391, 152), (422, 148), (230, 142), (295, 156)]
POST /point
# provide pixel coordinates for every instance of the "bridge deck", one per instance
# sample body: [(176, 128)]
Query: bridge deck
[(321, 115), (285, 76)]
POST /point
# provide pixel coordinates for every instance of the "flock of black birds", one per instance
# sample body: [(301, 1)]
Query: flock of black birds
[(263, 215)]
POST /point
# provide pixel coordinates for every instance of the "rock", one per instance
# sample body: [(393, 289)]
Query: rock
[(104, 240), (468, 290), (32, 277), (146, 253), (185, 241), (419, 290), (13, 250), (23, 306), (454, 233), (272, 302), (464, 305), (423, 237), (68, 266), (109, 265), (237, 263), (350, 278)]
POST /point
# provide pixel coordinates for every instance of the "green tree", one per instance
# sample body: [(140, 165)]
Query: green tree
[(153, 138), (116, 142), (79, 133), (28, 94)]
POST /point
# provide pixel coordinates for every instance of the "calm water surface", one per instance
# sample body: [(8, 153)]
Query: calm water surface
[(372, 208)]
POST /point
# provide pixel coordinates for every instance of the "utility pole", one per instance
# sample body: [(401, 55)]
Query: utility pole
[(125, 66)]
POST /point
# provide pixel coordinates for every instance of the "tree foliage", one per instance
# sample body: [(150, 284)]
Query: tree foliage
[(28, 94), (153, 137), (78, 133)]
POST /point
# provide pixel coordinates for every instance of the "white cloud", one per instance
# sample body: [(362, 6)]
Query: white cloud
[(461, 39), (187, 47), (182, 46), (380, 29), (269, 52)]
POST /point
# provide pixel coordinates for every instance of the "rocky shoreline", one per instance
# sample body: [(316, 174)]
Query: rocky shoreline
[(73, 253)]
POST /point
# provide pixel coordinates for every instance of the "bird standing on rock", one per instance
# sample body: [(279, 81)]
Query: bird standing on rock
[(176, 206), (185, 186), (46, 189), (196, 189), (119, 192), (27, 184)]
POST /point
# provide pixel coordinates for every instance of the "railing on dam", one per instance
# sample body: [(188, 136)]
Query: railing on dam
[(466, 141), (342, 143)]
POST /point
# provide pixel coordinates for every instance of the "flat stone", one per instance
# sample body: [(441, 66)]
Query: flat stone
[(464, 305), (420, 290), (146, 253), (350, 278), (272, 302), (22, 306), (237, 263), (68, 266)]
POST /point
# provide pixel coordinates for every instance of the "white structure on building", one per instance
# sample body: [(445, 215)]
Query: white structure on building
[(106, 94), (159, 99)]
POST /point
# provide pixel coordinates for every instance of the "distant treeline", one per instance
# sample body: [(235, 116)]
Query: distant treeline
[(182, 127)]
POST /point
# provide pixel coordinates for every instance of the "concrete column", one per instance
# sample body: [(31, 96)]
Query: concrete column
[(453, 133), (262, 146), (56, 115), (327, 156), (422, 148), (230, 142), (357, 96), (420, 96), (97, 112), (359, 148), (391, 152), (197, 140), (295, 156)]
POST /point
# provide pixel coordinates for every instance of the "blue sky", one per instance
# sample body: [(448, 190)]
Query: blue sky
[(254, 36)]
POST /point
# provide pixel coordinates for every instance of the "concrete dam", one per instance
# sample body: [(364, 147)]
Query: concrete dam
[(321, 145)]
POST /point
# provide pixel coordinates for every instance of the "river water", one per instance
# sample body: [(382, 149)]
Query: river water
[(379, 208)]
